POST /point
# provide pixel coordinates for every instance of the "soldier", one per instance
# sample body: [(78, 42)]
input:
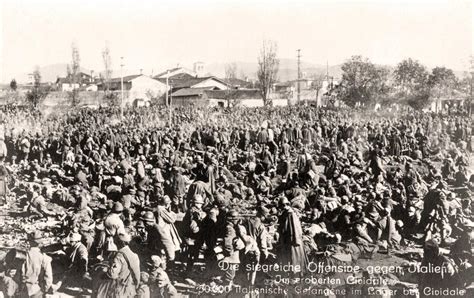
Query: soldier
[(122, 278), (193, 224), (232, 245), (78, 258), (36, 272)]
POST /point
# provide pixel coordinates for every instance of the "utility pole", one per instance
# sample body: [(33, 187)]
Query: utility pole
[(327, 71), (298, 95), (168, 103), (121, 87), (472, 78), (470, 100)]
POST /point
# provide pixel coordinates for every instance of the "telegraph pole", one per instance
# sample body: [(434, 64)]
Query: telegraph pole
[(299, 77), (121, 87), (168, 102), (471, 68)]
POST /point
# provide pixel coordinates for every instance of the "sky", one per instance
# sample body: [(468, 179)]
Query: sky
[(155, 35)]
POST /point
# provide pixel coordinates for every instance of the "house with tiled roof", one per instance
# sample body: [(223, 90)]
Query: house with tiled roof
[(137, 87), (209, 96), (66, 83), (182, 81)]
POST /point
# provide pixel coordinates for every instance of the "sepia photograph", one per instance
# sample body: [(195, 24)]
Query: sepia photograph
[(238, 148)]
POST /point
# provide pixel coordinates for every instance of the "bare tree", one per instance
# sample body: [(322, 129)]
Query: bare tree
[(35, 95), (73, 72), (107, 67), (231, 71), (268, 64), (317, 84), (231, 92)]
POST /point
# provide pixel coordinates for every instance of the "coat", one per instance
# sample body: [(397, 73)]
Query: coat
[(231, 254), (291, 241), (123, 276), (36, 272), (78, 259)]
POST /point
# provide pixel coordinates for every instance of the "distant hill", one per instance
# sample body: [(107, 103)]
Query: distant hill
[(49, 73), (288, 69)]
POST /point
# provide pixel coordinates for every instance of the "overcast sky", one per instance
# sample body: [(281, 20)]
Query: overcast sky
[(159, 34)]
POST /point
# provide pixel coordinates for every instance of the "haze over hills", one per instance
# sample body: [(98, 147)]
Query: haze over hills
[(288, 70), (49, 73)]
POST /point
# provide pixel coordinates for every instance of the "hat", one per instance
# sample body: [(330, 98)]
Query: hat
[(283, 201), (232, 214), (148, 217), (75, 237), (156, 261), (117, 207), (198, 199)]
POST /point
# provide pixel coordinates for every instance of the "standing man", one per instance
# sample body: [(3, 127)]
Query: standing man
[(78, 257), (291, 249), (122, 279), (36, 272), (232, 245)]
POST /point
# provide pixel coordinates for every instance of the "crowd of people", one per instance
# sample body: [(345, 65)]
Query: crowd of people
[(211, 194)]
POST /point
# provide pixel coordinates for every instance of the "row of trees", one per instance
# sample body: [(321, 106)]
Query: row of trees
[(39, 91), (410, 83), (366, 83)]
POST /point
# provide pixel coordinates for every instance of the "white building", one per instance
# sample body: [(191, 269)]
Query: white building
[(138, 88)]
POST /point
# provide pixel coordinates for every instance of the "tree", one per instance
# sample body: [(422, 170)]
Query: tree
[(268, 64), (231, 71), (442, 79), (362, 82), (317, 84), (442, 82), (411, 83), (13, 85), (73, 71), (107, 67), (35, 95), (231, 94)]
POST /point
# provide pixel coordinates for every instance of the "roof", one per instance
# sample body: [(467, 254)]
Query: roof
[(126, 79), (179, 76), (187, 81), (170, 71), (191, 92), (166, 72)]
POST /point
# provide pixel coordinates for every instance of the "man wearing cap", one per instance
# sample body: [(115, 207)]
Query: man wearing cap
[(231, 247), (151, 232), (178, 189), (194, 235), (291, 248), (36, 272), (169, 239), (123, 276), (129, 200), (112, 225), (160, 284), (77, 272), (3, 176)]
